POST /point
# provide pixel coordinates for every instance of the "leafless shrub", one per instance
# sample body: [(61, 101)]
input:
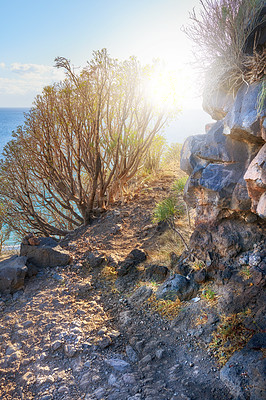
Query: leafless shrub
[(220, 31)]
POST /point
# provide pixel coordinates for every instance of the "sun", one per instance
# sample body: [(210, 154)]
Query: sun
[(166, 89)]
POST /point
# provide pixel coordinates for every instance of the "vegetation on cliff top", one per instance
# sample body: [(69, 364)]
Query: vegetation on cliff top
[(227, 38)]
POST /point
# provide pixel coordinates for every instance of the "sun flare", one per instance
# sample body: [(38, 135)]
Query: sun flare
[(166, 89)]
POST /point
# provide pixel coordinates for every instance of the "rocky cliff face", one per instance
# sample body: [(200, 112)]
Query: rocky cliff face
[(227, 165), (227, 188), (227, 173)]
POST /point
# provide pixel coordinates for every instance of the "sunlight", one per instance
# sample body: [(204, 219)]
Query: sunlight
[(166, 89)]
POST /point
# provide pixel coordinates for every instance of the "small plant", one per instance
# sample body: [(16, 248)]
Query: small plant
[(245, 273), (209, 294), (220, 30), (201, 319), (179, 184), (168, 210), (198, 265), (109, 273)]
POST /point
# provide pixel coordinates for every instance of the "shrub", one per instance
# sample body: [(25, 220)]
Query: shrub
[(220, 31), (83, 140), (153, 158), (172, 153)]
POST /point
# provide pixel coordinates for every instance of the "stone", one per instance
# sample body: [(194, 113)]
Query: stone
[(105, 342), (177, 286), (140, 295), (227, 239), (261, 207), (47, 254), (244, 374), (85, 380), (94, 260), (118, 364), (216, 165), (63, 389), (226, 166), (157, 273), (125, 318), (56, 345), (134, 258), (200, 276), (129, 379), (254, 260), (99, 393), (112, 381), (132, 355), (159, 353), (255, 178), (69, 350), (146, 360), (12, 274)]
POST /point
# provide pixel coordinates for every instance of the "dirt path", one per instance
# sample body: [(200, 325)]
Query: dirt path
[(72, 334)]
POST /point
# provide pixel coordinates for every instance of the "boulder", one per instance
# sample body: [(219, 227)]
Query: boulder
[(134, 258), (177, 286), (12, 274), (243, 121), (48, 253), (245, 373), (225, 239), (255, 177), (156, 272), (140, 295), (226, 166), (217, 105)]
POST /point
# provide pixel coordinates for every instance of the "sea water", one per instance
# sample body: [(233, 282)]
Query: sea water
[(10, 119)]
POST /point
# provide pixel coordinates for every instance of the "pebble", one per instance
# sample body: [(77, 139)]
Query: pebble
[(99, 393), (132, 355), (63, 389), (117, 364), (112, 381), (56, 345), (129, 379), (146, 360), (69, 350), (254, 260)]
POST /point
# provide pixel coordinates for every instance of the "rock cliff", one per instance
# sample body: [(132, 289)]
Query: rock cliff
[(227, 171)]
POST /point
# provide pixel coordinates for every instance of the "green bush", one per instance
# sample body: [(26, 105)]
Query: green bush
[(167, 209), (179, 184)]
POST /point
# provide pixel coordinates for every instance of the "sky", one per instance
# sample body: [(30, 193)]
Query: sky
[(33, 33)]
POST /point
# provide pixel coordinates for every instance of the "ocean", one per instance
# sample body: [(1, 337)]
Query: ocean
[(10, 118)]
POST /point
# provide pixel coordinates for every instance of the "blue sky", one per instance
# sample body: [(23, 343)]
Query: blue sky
[(34, 32)]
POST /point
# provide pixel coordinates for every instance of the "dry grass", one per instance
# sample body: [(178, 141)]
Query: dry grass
[(220, 29), (109, 273), (167, 243), (166, 308), (230, 336)]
